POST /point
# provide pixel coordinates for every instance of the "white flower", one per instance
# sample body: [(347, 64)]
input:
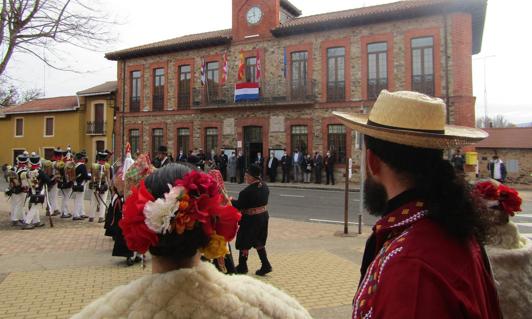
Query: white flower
[(159, 213)]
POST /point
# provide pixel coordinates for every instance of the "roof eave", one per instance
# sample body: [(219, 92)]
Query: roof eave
[(96, 93), (121, 55), (41, 111)]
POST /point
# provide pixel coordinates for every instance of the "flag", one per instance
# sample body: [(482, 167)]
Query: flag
[(203, 79), (241, 67), (284, 63), (224, 70), (247, 91), (258, 66)]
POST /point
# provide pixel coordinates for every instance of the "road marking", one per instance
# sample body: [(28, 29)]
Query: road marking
[(287, 195), (330, 221), (524, 215)]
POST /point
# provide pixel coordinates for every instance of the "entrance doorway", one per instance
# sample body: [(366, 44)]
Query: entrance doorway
[(252, 143)]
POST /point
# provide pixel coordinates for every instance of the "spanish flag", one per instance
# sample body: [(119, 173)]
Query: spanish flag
[(241, 67)]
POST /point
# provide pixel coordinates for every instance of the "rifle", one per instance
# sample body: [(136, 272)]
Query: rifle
[(46, 194)]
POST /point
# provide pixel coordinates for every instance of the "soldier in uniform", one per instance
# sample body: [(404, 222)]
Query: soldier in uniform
[(38, 182), (65, 168), (78, 189), (99, 186), (253, 230), (50, 168), (17, 191)]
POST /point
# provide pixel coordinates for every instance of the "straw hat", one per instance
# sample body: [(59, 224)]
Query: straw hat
[(413, 119)]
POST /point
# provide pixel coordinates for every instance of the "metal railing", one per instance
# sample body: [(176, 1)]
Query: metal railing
[(96, 127), (269, 94)]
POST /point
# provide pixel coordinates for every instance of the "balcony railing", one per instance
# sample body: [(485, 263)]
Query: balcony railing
[(96, 128), (273, 93)]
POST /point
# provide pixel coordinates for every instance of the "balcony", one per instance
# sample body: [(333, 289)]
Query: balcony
[(96, 128), (273, 93)]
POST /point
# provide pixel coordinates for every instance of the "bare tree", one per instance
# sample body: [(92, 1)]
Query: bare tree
[(35, 27), (10, 95), (498, 121)]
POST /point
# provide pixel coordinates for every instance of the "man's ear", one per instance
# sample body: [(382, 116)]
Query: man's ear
[(374, 163)]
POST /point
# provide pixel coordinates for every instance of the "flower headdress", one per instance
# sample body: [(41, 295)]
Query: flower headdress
[(193, 200), (499, 196)]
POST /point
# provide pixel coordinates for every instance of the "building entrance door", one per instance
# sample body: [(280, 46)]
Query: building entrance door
[(252, 143)]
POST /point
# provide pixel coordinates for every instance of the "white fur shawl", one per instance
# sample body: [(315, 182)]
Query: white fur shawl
[(512, 270), (200, 292)]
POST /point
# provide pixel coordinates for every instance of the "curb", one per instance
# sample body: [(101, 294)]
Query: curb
[(317, 187)]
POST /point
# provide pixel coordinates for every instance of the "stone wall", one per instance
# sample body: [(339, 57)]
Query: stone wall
[(522, 156)]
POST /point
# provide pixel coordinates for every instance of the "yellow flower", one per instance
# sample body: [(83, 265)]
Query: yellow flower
[(217, 247)]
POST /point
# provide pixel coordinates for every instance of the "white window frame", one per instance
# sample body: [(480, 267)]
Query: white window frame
[(15, 126), (53, 126)]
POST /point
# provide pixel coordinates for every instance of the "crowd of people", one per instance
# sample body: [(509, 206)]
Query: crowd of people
[(297, 167), (34, 184)]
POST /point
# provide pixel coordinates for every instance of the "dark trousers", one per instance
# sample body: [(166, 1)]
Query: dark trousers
[(286, 175), (272, 173), (241, 176), (317, 173), (224, 173), (330, 176)]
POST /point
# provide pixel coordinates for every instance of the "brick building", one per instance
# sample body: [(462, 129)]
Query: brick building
[(514, 146), (309, 67)]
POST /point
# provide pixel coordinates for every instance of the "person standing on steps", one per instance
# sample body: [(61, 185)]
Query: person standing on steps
[(329, 167), (253, 231)]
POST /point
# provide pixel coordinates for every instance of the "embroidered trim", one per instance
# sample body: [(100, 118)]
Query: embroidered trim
[(411, 219), (387, 259), (369, 314), (362, 289)]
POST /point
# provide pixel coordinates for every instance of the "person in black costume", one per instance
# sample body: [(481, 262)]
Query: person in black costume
[(240, 167), (253, 231)]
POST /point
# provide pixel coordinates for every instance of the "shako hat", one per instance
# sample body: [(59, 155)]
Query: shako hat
[(163, 149), (102, 156), (22, 158), (35, 159), (411, 118)]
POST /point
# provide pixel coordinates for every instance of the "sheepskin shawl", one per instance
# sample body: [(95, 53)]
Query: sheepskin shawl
[(512, 269), (200, 292)]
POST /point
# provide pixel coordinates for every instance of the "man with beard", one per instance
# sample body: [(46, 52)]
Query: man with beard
[(425, 257)]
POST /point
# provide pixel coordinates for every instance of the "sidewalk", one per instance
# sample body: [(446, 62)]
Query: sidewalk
[(55, 272)]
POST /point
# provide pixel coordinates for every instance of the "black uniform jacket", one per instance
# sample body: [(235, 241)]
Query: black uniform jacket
[(252, 196)]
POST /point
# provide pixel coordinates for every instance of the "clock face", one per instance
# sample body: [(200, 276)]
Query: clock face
[(254, 15)]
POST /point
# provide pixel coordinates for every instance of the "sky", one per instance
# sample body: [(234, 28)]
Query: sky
[(500, 70)]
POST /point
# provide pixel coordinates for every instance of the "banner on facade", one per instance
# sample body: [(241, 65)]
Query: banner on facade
[(248, 91)]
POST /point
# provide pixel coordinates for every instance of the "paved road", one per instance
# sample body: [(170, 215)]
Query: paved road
[(328, 206), (310, 205)]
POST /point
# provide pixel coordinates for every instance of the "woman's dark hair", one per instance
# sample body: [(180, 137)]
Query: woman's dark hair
[(447, 194), (173, 245)]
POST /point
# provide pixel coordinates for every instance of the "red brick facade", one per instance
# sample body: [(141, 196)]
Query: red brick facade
[(278, 109)]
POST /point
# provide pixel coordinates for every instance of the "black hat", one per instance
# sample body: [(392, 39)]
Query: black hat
[(35, 159), (58, 151), (21, 158), (79, 156), (254, 171), (163, 149), (102, 156)]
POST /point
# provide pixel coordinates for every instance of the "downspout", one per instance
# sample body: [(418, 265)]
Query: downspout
[(123, 106), (446, 48)]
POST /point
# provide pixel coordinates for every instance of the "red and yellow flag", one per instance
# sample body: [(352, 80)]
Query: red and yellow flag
[(241, 67)]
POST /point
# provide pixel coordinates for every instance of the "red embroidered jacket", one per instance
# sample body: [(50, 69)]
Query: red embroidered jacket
[(419, 271)]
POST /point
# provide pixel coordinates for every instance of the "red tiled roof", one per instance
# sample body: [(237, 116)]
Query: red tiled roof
[(287, 5), (186, 42), (511, 137), (53, 104), (104, 88), (386, 12)]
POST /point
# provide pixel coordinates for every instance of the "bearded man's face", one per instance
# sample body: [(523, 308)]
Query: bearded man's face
[(375, 196)]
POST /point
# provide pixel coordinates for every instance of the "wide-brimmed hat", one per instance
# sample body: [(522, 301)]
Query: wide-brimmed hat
[(413, 119), (162, 149)]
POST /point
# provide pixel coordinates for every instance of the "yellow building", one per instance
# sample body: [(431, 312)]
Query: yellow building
[(84, 121)]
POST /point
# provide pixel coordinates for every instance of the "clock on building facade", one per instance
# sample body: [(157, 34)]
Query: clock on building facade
[(254, 15)]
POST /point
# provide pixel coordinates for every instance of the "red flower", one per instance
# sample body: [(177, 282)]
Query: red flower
[(487, 190), (137, 235), (227, 219), (510, 202), (198, 183)]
